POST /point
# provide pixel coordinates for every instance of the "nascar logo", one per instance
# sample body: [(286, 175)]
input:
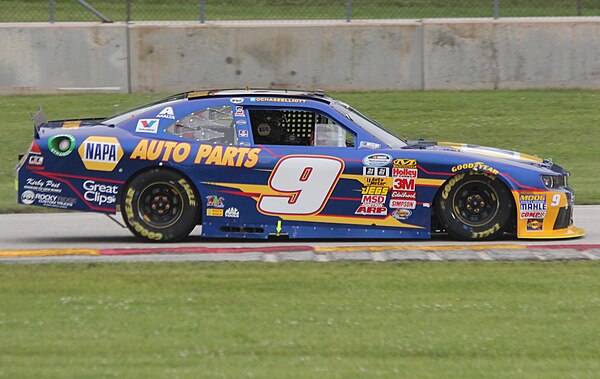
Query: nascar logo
[(100, 153)]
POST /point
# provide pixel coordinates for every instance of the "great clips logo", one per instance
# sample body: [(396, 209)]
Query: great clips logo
[(100, 153)]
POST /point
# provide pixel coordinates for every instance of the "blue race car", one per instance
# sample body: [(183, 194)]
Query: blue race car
[(263, 163)]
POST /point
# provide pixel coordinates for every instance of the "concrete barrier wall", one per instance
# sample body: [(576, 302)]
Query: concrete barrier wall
[(44, 58), (361, 55)]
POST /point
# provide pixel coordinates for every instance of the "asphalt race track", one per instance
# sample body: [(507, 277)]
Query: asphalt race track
[(86, 237)]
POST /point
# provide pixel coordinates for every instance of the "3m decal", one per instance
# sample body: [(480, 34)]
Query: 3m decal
[(100, 153), (304, 183), (205, 154), (406, 184)]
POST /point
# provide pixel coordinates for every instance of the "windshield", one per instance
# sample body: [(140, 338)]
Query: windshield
[(115, 120), (370, 126)]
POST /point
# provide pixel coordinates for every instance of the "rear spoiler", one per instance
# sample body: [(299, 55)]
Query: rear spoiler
[(38, 119)]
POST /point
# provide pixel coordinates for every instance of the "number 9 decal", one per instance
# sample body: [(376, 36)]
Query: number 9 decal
[(304, 182)]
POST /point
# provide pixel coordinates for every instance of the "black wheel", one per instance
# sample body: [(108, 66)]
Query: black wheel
[(473, 206), (160, 205)]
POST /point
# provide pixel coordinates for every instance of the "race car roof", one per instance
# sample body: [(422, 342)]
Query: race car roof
[(317, 94)]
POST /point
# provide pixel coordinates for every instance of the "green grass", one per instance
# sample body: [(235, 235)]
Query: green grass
[(300, 320), (558, 124), (189, 10)]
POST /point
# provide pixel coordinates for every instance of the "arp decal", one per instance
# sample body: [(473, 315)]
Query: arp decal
[(374, 210)]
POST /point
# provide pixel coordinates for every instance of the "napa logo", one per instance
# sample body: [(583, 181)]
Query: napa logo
[(100, 153)]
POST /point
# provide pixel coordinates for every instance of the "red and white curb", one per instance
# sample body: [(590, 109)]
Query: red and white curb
[(307, 253)]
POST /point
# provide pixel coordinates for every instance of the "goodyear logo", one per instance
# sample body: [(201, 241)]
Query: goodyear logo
[(100, 153)]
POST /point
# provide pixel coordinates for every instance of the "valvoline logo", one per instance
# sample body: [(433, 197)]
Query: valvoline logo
[(100, 153), (147, 125)]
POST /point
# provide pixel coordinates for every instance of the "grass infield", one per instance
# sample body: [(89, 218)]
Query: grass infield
[(301, 320), (557, 124)]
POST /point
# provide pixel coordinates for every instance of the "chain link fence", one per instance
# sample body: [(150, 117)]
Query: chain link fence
[(223, 10)]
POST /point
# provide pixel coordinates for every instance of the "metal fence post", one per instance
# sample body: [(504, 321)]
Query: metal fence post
[(202, 10), (128, 11), (496, 8), (348, 10), (52, 15)]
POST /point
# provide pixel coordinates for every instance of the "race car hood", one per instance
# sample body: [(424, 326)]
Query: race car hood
[(489, 152)]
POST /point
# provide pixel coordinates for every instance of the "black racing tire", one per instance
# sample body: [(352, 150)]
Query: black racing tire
[(160, 205), (475, 206)]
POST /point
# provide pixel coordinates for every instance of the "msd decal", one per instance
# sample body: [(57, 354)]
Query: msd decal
[(147, 125), (100, 153)]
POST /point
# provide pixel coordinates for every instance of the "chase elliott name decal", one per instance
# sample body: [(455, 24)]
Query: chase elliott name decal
[(100, 153)]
